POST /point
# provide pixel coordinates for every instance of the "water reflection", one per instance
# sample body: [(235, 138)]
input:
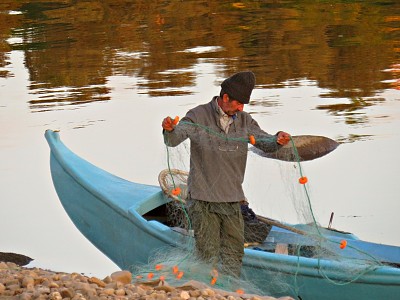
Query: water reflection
[(350, 49), (351, 111)]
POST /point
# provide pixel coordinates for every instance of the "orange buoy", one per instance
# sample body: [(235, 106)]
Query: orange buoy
[(159, 267), (213, 280), (176, 191), (180, 275), (240, 291), (252, 139), (343, 244), (150, 276), (175, 269), (176, 120), (303, 180)]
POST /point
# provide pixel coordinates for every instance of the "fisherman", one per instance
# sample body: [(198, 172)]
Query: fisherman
[(219, 133)]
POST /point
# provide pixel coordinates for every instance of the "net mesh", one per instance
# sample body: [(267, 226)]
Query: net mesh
[(338, 262)]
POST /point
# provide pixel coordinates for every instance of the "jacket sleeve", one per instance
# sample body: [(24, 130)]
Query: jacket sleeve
[(264, 141), (185, 129)]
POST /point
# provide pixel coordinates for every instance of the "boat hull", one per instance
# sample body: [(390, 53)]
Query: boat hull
[(109, 211)]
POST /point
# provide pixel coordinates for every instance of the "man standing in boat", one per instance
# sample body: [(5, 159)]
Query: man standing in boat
[(219, 133)]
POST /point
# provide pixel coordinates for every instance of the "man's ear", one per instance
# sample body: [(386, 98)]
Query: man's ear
[(225, 98)]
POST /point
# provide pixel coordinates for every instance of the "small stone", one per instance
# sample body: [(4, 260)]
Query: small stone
[(112, 285), (12, 265), (25, 296), (11, 281), (120, 292), (159, 296), (107, 280), (14, 287), (53, 285), (66, 293), (55, 296), (184, 295), (8, 293), (82, 286), (132, 295), (78, 296), (108, 291), (208, 293), (65, 278), (28, 281), (56, 277), (2, 288), (43, 290), (141, 291), (124, 277), (97, 281), (3, 265), (195, 293)]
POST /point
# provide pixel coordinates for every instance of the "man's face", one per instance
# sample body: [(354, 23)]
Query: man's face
[(231, 107)]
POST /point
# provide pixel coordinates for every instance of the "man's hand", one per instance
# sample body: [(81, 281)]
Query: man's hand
[(283, 138), (168, 124)]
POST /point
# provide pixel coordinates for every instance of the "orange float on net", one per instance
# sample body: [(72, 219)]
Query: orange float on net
[(252, 139), (180, 275), (175, 269), (159, 267), (176, 191), (213, 280), (162, 278), (150, 276), (343, 244), (176, 120), (240, 291), (303, 180)]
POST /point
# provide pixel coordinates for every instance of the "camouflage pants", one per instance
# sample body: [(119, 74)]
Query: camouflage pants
[(218, 231)]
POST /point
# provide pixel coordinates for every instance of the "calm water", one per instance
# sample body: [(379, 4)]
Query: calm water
[(105, 73)]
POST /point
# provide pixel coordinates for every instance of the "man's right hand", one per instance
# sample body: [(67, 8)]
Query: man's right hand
[(169, 124)]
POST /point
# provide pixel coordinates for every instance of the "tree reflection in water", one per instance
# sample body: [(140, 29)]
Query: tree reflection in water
[(71, 47)]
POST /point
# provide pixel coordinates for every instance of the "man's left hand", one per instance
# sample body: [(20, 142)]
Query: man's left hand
[(283, 138)]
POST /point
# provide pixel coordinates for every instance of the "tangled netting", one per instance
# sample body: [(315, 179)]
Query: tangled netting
[(274, 251)]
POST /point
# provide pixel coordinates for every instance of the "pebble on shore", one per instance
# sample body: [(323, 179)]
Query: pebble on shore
[(37, 284)]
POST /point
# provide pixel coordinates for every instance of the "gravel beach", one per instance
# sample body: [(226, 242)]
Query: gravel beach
[(17, 282)]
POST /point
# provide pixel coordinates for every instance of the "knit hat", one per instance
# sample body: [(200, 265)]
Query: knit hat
[(239, 86)]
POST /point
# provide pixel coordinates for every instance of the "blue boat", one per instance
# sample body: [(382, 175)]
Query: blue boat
[(120, 218)]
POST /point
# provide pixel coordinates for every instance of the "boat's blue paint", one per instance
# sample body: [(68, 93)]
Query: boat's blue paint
[(355, 248), (108, 211)]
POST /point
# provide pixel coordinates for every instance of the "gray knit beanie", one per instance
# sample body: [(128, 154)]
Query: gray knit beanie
[(239, 86)]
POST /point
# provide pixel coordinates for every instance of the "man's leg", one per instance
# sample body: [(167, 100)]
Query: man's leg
[(232, 244), (206, 226)]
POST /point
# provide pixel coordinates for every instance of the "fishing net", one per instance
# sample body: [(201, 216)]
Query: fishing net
[(274, 252)]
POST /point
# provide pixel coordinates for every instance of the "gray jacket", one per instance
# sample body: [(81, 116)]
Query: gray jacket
[(218, 160)]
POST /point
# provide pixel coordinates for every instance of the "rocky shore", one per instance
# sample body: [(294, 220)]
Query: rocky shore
[(17, 282)]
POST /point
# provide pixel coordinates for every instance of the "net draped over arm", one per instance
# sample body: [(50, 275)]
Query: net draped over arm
[(264, 141)]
